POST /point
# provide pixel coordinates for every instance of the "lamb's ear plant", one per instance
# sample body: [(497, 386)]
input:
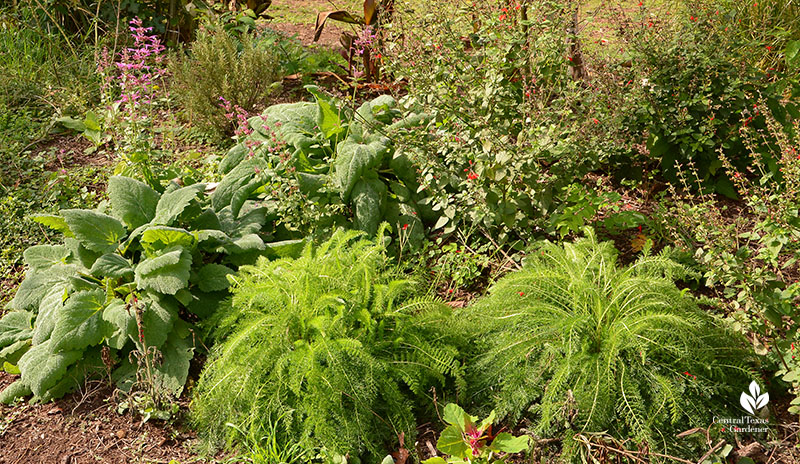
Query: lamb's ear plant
[(335, 343), (111, 296), (576, 343)]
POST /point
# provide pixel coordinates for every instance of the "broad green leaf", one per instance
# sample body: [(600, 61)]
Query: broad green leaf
[(13, 352), (172, 204), (367, 199), (213, 277), (122, 323), (251, 242), (486, 423), (42, 257), (205, 304), (454, 415), (435, 460), (16, 390), (157, 319), (235, 155), (96, 231), (166, 273), (111, 265), (15, 326), (235, 180), (42, 367), (160, 237), (507, 443), (452, 442), (328, 118), (49, 308), (54, 222), (79, 254), (176, 355), (31, 291), (210, 240), (10, 368), (353, 160), (80, 322), (285, 248), (132, 201)]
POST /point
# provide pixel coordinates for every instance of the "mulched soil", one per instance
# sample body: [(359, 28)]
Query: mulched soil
[(84, 428)]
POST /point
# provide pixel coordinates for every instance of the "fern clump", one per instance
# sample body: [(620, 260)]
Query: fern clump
[(333, 344), (576, 343)]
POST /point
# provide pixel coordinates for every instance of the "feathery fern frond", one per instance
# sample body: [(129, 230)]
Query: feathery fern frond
[(334, 343), (619, 340)]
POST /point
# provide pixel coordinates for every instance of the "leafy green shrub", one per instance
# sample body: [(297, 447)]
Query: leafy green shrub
[(336, 159), (119, 284), (334, 344), (576, 343), (243, 73), (698, 90)]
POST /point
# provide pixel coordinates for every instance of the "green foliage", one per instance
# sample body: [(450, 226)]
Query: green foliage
[(468, 442), (119, 281), (576, 343), (315, 160), (334, 344), (243, 72), (697, 90)]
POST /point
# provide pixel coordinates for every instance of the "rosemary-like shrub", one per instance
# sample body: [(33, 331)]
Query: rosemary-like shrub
[(334, 345), (576, 343)]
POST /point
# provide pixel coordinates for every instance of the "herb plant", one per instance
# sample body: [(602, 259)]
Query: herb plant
[(334, 344)]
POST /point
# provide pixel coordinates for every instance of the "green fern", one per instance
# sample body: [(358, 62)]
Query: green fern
[(577, 343), (332, 343)]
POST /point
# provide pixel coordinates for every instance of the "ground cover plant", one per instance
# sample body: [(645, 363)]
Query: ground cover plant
[(333, 347)]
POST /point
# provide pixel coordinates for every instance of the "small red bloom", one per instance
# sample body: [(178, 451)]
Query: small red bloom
[(405, 226), (594, 120), (521, 293)]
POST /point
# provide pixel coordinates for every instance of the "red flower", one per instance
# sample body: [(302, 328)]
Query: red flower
[(472, 176), (594, 120), (405, 226), (521, 293)]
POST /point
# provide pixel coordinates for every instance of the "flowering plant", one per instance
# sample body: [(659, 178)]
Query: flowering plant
[(467, 442)]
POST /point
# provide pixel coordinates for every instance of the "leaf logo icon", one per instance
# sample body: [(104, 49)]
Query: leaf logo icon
[(755, 400)]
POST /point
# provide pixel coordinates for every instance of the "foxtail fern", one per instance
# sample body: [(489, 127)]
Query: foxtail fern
[(575, 343), (333, 343)]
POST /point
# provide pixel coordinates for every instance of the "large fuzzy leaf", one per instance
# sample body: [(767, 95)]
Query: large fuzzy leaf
[(80, 322), (368, 198), (354, 158), (42, 367), (172, 204), (213, 277), (15, 326), (111, 265), (132, 201), (43, 257), (239, 178), (96, 231), (49, 308), (166, 273), (54, 222), (158, 238), (157, 320), (121, 322), (176, 355), (31, 291)]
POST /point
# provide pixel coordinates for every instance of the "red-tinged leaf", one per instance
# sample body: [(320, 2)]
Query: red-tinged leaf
[(339, 15), (370, 11)]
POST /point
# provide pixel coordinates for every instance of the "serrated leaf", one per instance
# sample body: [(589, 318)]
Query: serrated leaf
[(132, 201), (160, 237), (171, 374), (54, 222), (96, 231), (172, 204), (213, 277), (15, 326), (507, 443), (41, 368), (166, 273), (453, 414), (80, 322), (42, 257), (328, 118)]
